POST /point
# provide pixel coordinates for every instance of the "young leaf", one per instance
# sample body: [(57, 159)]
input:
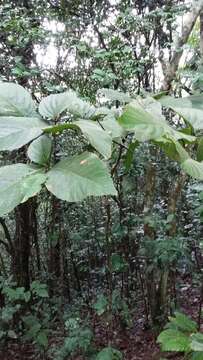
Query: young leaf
[(18, 182), (15, 101), (76, 178), (18, 131), (40, 149)]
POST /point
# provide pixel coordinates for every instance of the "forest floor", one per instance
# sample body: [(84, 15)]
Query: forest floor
[(135, 343)]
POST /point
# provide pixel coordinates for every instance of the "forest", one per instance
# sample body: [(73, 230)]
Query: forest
[(101, 179)]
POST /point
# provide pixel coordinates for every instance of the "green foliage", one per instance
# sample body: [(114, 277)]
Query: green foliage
[(190, 108), (78, 340), (72, 179), (109, 353), (30, 327), (181, 336), (174, 340)]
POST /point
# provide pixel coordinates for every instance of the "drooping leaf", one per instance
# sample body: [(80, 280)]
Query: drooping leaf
[(189, 165), (109, 353), (15, 101), (53, 105), (190, 108), (111, 125), (97, 137), (174, 340), (74, 179), (18, 183), (40, 149), (144, 118), (18, 131)]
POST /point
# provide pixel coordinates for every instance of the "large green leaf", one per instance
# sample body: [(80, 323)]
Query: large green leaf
[(40, 149), (111, 125), (182, 322), (18, 131), (190, 108), (174, 340), (189, 165), (76, 178), (18, 183), (53, 105), (97, 137), (144, 118), (15, 101)]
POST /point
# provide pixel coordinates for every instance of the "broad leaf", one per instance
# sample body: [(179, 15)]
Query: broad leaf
[(189, 165), (18, 183), (144, 118), (173, 340), (111, 125), (40, 149), (182, 322), (74, 179), (18, 131), (97, 137), (53, 105), (190, 108), (15, 101)]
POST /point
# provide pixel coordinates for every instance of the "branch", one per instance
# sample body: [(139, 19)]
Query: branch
[(170, 68)]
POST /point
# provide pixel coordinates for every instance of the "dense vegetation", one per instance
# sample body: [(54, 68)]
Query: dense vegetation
[(101, 120)]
